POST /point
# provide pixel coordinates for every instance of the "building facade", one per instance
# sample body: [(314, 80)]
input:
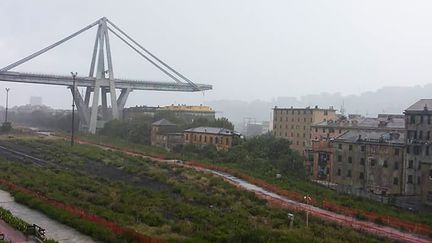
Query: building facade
[(221, 138), (190, 112), (370, 161), (418, 176), (295, 124), (323, 133), (165, 134)]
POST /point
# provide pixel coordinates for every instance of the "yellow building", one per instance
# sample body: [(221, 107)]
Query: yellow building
[(220, 137)]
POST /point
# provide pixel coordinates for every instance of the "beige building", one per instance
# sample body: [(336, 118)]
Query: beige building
[(294, 124)]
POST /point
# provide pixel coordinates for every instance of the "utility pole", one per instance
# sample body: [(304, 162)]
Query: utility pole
[(74, 74), (7, 104)]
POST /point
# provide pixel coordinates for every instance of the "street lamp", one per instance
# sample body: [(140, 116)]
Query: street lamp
[(7, 104), (307, 199), (74, 74)]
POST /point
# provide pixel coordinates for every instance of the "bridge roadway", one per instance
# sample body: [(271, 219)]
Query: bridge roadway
[(20, 77)]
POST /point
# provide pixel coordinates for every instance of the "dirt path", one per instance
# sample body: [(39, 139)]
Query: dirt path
[(282, 201)]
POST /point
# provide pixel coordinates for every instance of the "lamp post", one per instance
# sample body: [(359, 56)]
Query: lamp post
[(307, 199), (74, 74), (7, 104)]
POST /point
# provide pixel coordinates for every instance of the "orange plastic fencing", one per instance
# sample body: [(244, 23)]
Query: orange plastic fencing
[(380, 219), (370, 216), (111, 226)]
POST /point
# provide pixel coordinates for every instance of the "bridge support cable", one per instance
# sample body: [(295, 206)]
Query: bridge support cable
[(152, 55), (146, 57), (15, 64)]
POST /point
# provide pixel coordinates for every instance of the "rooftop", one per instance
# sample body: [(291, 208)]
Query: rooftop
[(305, 108), (196, 108), (163, 122), (211, 130), (372, 136), (421, 105), (383, 121)]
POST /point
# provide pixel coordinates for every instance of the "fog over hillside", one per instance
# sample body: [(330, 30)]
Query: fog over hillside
[(383, 100)]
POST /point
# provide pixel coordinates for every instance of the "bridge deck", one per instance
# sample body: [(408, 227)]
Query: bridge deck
[(89, 82)]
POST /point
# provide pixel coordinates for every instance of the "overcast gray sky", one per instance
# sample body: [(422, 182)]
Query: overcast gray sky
[(247, 49)]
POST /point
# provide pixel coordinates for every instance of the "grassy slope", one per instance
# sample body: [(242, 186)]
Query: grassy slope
[(181, 204), (288, 182)]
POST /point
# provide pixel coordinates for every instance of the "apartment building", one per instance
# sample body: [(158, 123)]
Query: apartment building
[(323, 133), (294, 124), (370, 161), (418, 174)]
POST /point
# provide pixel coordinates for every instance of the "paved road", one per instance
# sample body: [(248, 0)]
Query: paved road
[(54, 229), (11, 234)]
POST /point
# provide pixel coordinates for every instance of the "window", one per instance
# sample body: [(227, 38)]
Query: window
[(205, 139), (395, 181), (421, 135), (227, 141), (363, 148), (339, 172), (373, 162), (211, 139), (410, 179), (421, 119), (339, 158), (430, 174), (323, 130), (396, 151), (429, 196), (408, 149), (362, 161), (385, 165), (325, 113), (396, 165), (350, 147), (428, 135), (418, 180), (304, 135), (417, 150), (316, 129), (340, 146), (410, 164), (187, 136), (340, 131), (412, 119), (349, 173), (200, 138), (361, 177), (216, 140), (427, 150), (350, 160)]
